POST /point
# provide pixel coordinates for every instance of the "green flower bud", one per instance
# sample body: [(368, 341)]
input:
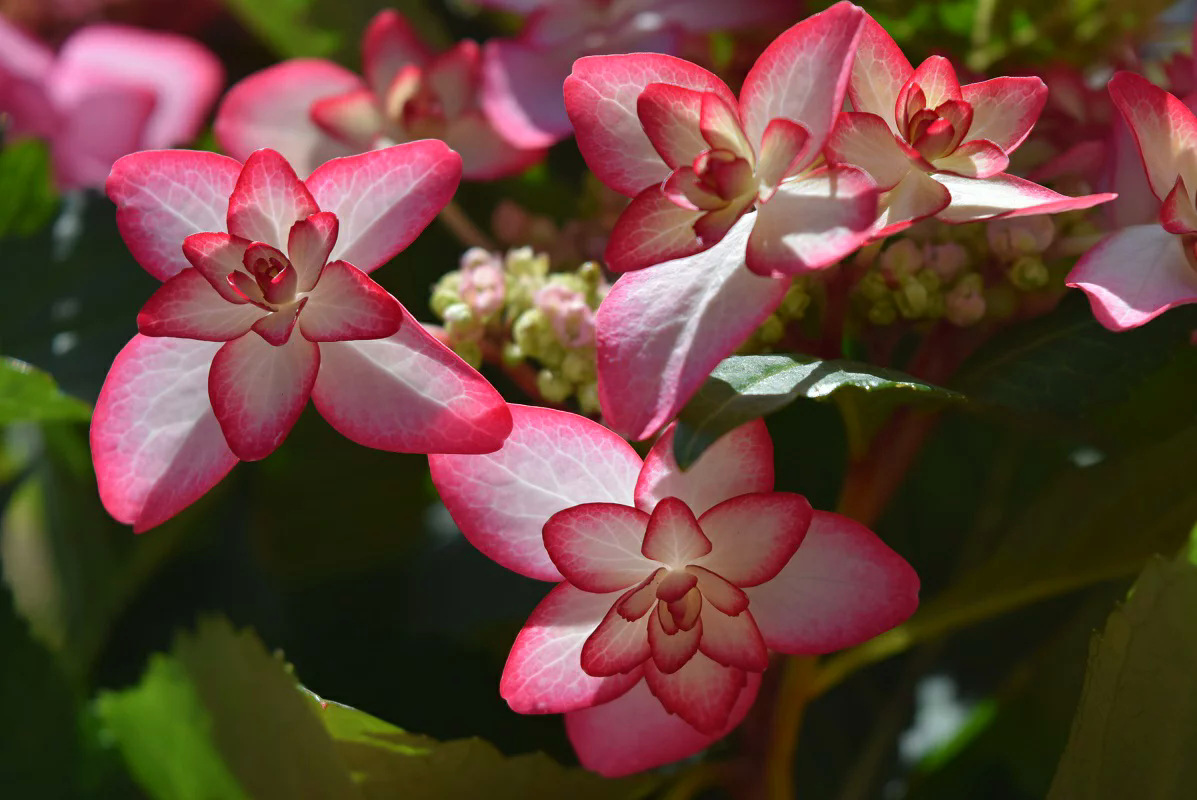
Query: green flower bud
[(873, 287), (445, 293), (553, 387), (911, 298), (530, 329), (1028, 273), (771, 330), (512, 354), (929, 279), (794, 304), (588, 400), (461, 324), (470, 352), (883, 312), (578, 366)]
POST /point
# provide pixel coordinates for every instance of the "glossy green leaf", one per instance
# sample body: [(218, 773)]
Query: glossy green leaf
[(387, 762), (29, 395), (1136, 724), (744, 388), (27, 196), (221, 718)]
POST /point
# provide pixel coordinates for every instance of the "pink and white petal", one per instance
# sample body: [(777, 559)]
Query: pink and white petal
[(184, 77), (455, 77), (739, 462), (277, 326), (670, 116), (352, 118), (673, 536), (661, 331), (97, 128), (309, 244), (975, 159), (733, 641), (1006, 196), (703, 692), (408, 393), (1004, 109), (720, 126), (384, 199), (917, 196), (803, 75), (1134, 275), (485, 154), (272, 108), (346, 305), (652, 230), (543, 674), (843, 587), (783, 149), (1178, 215), (23, 56), (937, 78), (634, 732), (215, 255), (551, 461), (879, 72), (389, 45), (670, 651), (155, 443), (521, 91), (813, 221), (718, 592), (164, 196), (866, 141), (596, 546), (601, 97), (268, 200), (753, 536), (617, 646), (259, 390), (187, 307), (1164, 129)]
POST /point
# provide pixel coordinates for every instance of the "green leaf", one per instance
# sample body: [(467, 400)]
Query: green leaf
[(1136, 723), (29, 395), (221, 718), (744, 388), (388, 762), (285, 27), (1092, 524), (1066, 365), (27, 197)]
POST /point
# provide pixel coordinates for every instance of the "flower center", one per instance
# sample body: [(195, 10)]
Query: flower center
[(932, 132)]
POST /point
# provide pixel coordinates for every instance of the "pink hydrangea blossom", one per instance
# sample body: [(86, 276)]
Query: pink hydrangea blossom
[(109, 91), (1139, 272), (266, 302), (569, 314), (483, 282), (672, 586), (523, 76), (938, 148), (730, 200), (311, 110)]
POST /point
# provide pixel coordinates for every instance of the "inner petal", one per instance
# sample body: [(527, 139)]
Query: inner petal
[(673, 537), (671, 651)]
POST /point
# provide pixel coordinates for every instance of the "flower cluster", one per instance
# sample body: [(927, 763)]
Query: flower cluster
[(513, 306)]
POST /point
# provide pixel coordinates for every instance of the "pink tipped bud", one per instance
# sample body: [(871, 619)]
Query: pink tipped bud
[(901, 259), (1021, 236), (482, 286), (566, 309), (965, 303), (946, 260)]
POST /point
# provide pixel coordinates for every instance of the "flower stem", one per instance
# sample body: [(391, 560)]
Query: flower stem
[(793, 694), (461, 226)]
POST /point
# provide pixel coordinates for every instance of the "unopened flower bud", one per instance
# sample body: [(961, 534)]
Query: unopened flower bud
[(946, 260), (578, 366), (883, 312), (771, 330), (1028, 273), (445, 294), (461, 324), (796, 301), (524, 261), (911, 298), (1020, 236), (530, 330), (470, 352), (965, 302), (482, 285), (553, 388), (566, 309), (873, 287), (512, 354), (929, 279), (588, 400), (901, 258)]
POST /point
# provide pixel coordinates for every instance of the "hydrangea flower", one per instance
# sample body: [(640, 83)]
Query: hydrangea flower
[(730, 200), (266, 302), (1139, 272), (311, 110), (109, 91), (938, 148), (672, 587)]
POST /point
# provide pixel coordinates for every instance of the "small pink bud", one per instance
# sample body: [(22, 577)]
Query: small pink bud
[(483, 286), (946, 260), (572, 319), (1021, 236), (901, 259), (965, 303)]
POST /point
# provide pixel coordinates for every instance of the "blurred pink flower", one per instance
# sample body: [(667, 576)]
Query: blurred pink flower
[(1140, 271), (311, 110), (672, 586), (266, 302), (731, 199), (523, 76), (109, 91), (938, 148)]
